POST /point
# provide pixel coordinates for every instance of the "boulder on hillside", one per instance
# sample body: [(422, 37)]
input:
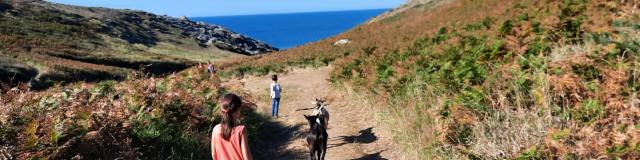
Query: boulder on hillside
[(342, 42), (184, 18), (12, 73)]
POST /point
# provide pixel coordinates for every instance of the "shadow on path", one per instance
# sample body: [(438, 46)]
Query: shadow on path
[(365, 136), (271, 138), (373, 156)]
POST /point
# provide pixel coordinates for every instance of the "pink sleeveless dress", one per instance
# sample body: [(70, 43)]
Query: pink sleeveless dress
[(227, 150)]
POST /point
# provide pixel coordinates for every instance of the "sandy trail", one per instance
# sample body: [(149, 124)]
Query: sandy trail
[(352, 131)]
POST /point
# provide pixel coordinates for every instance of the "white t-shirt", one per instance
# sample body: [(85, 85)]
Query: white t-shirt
[(210, 68), (275, 90)]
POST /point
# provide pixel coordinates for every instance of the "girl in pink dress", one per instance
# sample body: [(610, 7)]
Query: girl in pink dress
[(229, 140)]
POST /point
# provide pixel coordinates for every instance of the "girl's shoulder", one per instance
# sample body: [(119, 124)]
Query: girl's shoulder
[(239, 129), (217, 129)]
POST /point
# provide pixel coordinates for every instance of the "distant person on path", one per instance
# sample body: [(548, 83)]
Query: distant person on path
[(210, 68), (275, 96), (229, 140)]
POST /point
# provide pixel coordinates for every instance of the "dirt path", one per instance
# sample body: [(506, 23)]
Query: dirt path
[(352, 131)]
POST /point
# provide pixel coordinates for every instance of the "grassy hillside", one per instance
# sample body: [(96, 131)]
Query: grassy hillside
[(494, 79), (61, 44)]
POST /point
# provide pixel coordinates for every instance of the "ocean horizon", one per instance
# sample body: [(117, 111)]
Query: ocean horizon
[(287, 30)]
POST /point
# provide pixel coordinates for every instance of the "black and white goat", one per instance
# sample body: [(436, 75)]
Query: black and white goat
[(321, 110), (317, 137)]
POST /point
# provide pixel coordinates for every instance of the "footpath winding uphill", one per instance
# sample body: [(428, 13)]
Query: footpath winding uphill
[(352, 130)]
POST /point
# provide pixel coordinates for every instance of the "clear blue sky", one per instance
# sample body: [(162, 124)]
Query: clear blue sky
[(196, 8)]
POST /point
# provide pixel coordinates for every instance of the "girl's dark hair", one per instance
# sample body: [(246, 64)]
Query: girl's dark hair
[(230, 103), (274, 77)]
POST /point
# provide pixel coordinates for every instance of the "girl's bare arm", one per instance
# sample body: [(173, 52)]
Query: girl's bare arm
[(246, 153), (213, 153)]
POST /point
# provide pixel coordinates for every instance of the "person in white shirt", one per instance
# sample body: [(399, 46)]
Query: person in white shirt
[(275, 95), (210, 69)]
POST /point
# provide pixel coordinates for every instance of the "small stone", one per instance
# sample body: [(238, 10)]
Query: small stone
[(184, 18)]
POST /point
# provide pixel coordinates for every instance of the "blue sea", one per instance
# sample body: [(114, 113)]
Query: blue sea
[(292, 29)]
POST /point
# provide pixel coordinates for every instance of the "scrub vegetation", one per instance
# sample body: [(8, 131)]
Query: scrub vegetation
[(494, 79)]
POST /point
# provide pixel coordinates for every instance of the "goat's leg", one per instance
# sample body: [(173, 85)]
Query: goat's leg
[(313, 155), (312, 152), (323, 147), (327, 121), (323, 152), (316, 155)]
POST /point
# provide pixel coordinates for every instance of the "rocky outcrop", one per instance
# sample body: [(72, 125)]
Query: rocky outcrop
[(218, 36), (4, 6), (12, 73)]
